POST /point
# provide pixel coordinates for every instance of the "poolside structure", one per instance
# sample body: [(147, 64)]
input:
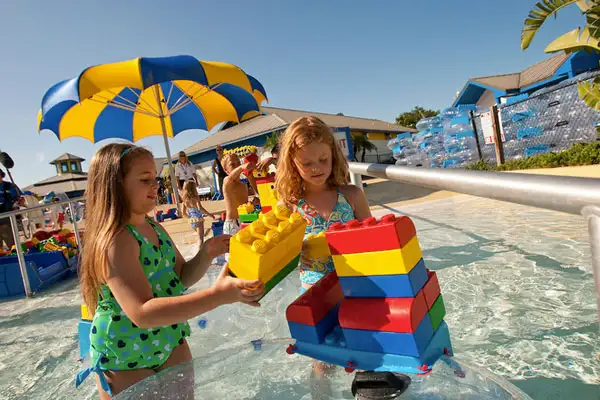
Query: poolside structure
[(70, 178), (254, 132)]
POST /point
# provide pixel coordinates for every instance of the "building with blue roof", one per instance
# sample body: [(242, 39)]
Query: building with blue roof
[(507, 88)]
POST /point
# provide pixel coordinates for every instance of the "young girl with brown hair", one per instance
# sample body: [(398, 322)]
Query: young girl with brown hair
[(134, 278), (312, 177)]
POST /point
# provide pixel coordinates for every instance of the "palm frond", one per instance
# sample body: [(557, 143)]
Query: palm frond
[(538, 15), (589, 92), (573, 41), (592, 18)]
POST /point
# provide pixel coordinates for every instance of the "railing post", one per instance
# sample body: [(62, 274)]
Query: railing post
[(356, 180), (497, 135), (74, 218), (20, 256), (592, 214)]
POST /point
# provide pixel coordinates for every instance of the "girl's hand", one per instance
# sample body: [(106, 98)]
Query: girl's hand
[(249, 166), (232, 290), (264, 164), (216, 246)]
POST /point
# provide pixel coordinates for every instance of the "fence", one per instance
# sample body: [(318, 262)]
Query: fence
[(550, 120), (12, 215)]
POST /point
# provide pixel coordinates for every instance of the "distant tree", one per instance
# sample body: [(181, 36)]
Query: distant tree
[(409, 119), (271, 141), (362, 143)]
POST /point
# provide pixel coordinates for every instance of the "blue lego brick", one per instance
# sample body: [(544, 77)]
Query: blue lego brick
[(83, 331), (333, 351), (400, 285), (408, 344), (315, 334)]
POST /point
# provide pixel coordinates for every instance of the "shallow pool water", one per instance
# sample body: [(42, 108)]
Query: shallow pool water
[(517, 284)]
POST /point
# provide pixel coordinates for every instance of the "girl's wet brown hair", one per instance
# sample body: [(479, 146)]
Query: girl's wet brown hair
[(298, 134), (107, 213)]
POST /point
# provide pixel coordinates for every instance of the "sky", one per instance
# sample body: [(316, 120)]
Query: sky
[(367, 59)]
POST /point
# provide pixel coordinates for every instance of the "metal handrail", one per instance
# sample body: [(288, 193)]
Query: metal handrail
[(12, 215), (573, 195), (559, 193), (39, 207)]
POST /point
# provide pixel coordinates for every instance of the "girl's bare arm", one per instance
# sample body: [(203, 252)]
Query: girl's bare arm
[(129, 285), (358, 201)]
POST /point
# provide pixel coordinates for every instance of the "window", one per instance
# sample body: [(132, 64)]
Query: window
[(74, 166), (64, 167)]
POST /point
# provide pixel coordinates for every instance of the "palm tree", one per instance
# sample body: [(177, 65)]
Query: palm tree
[(587, 38), (360, 142), (271, 141)]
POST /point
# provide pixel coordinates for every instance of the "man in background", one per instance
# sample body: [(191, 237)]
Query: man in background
[(9, 195), (218, 169)]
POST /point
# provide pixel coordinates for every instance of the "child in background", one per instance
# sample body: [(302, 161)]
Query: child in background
[(312, 177), (192, 207), (234, 191), (134, 278)]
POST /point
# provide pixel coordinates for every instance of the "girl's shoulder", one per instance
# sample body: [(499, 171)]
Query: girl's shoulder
[(357, 199), (124, 242), (351, 192)]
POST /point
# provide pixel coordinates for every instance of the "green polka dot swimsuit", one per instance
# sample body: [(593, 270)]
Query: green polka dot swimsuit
[(116, 343)]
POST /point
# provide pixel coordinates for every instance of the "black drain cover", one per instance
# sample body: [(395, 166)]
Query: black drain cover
[(379, 385)]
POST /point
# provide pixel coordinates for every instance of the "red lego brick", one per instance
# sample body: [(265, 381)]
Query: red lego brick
[(431, 290), (267, 179), (252, 157), (314, 304), (266, 209), (383, 314), (389, 233)]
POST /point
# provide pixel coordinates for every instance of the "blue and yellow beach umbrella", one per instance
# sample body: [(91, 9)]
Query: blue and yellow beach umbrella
[(144, 97)]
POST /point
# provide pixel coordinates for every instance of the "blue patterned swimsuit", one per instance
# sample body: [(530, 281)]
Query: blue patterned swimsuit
[(342, 212), (194, 217)]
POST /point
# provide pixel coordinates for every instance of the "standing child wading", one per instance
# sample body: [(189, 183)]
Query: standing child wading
[(134, 277), (312, 177), (234, 190), (192, 207)]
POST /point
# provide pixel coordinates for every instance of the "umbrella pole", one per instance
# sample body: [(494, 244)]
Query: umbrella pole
[(161, 117)]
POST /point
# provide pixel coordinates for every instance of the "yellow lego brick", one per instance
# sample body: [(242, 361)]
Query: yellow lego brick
[(260, 174), (267, 195), (51, 247), (316, 247), (245, 209), (388, 262), (267, 245), (85, 314)]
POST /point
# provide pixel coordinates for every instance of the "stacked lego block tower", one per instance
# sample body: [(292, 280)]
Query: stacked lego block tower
[(265, 183), (269, 248), (392, 304), (381, 310), (247, 213)]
